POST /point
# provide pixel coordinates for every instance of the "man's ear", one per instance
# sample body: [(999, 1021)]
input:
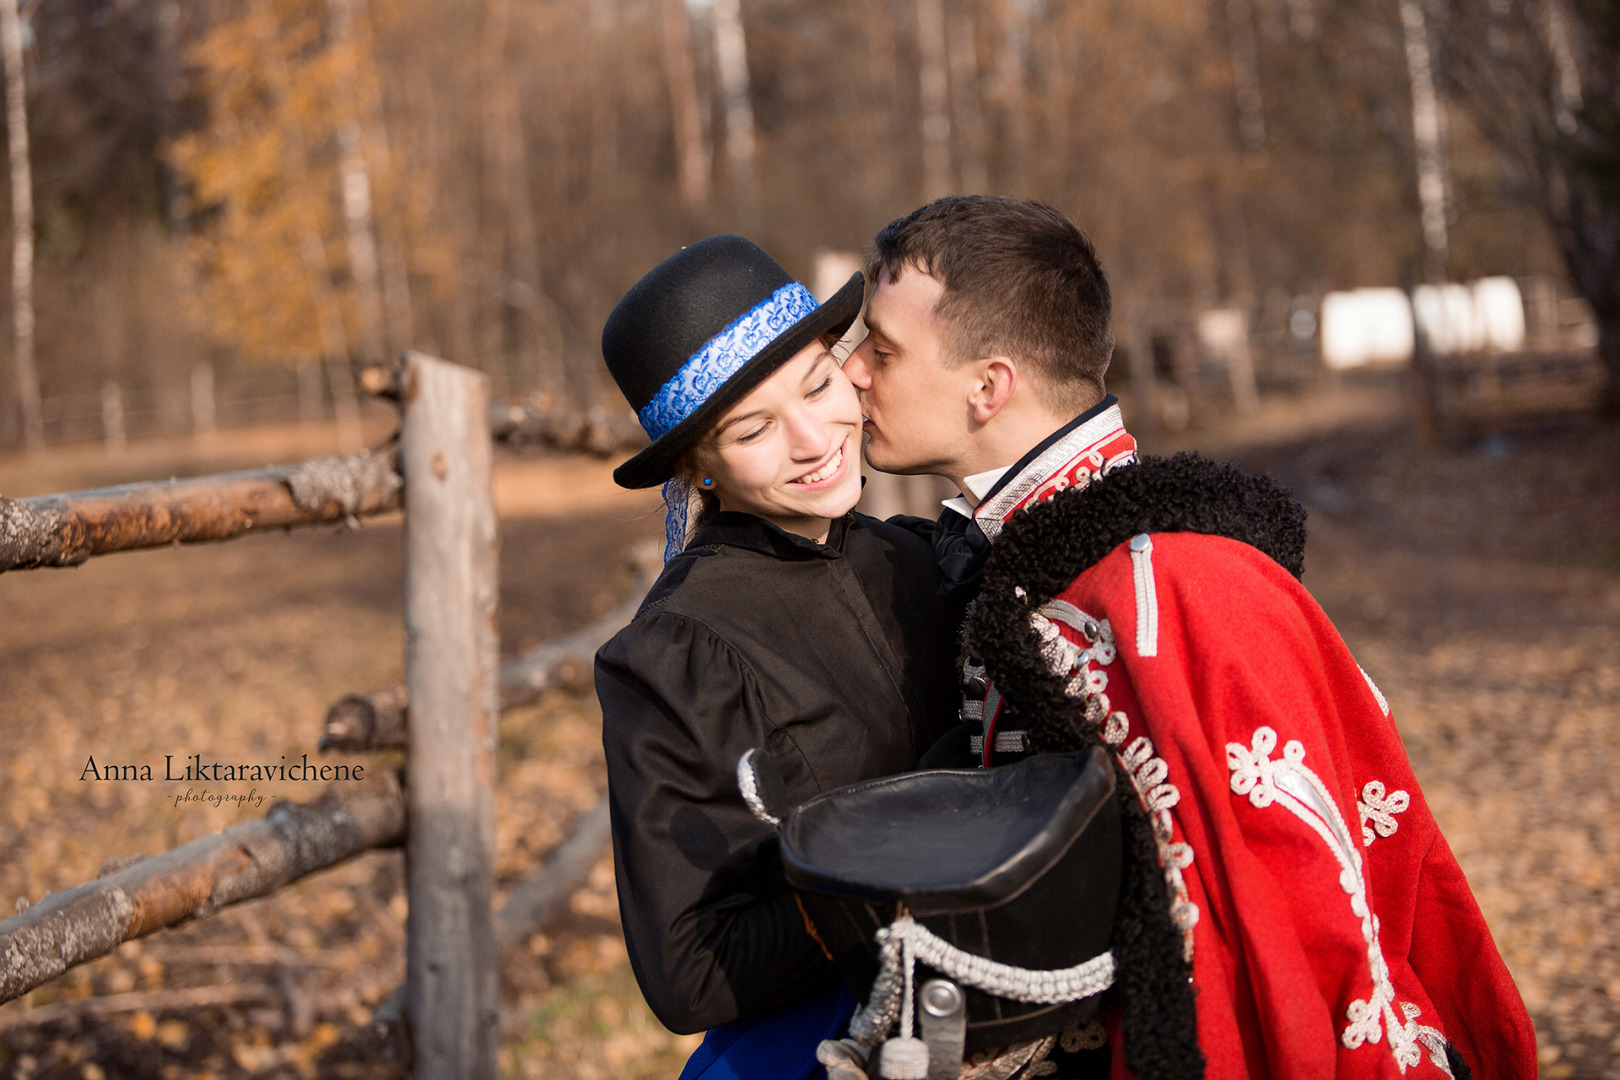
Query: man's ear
[(998, 378)]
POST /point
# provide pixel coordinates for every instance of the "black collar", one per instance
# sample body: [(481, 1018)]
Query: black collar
[(1024, 462), (733, 528)]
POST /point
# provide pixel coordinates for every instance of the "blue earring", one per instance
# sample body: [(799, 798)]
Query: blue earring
[(708, 481)]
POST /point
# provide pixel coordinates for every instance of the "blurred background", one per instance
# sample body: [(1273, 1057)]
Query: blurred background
[(1369, 247), (233, 199)]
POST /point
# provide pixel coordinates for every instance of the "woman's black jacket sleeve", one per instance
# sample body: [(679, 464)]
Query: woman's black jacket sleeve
[(712, 930), (833, 659)]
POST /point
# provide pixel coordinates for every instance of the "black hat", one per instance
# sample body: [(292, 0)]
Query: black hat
[(704, 327), (1016, 868)]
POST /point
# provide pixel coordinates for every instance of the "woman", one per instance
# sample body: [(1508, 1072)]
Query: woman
[(781, 622)]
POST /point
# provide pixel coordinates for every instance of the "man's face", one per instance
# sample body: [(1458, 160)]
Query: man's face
[(916, 406)]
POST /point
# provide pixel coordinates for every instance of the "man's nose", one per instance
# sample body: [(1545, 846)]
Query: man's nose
[(857, 366)]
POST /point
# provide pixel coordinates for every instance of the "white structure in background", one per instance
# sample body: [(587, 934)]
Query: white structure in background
[(1364, 327), (1224, 334)]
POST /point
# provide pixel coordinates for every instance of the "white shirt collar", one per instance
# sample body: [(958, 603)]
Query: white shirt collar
[(979, 484)]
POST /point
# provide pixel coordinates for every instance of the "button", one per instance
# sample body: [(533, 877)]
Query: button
[(976, 686), (941, 998), (1141, 542)]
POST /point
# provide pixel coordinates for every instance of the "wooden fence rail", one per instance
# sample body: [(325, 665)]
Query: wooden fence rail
[(245, 861), (444, 814), (67, 529)]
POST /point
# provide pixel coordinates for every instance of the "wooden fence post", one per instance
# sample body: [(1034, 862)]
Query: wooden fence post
[(450, 655)]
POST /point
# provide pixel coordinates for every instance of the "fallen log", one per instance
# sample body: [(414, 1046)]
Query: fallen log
[(595, 432), (376, 720), (519, 423), (245, 861), (153, 1001), (543, 894), (67, 529), (531, 906)]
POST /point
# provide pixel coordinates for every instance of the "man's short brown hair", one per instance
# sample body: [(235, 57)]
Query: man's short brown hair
[(1021, 280)]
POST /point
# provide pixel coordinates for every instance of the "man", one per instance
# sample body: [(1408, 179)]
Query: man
[(1292, 867)]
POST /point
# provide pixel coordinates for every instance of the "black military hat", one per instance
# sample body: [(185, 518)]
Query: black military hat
[(1001, 885), (700, 330)]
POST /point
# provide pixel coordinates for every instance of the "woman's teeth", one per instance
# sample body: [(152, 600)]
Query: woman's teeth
[(825, 471)]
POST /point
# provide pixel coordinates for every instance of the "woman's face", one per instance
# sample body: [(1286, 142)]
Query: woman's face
[(789, 452)]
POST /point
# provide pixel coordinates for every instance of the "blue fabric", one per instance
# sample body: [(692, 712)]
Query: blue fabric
[(678, 511), (781, 1046), (723, 355)]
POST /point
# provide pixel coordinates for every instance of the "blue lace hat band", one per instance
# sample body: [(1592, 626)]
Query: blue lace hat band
[(723, 355), (699, 332)]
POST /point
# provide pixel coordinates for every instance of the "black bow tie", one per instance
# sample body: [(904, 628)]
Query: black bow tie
[(960, 547)]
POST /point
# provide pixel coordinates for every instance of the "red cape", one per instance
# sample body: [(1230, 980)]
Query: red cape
[(1332, 931)]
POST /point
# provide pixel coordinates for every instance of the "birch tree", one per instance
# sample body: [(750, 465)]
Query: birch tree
[(22, 228), (1541, 79), (731, 57)]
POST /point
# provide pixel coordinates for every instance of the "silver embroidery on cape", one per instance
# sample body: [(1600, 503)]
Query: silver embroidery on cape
[(1149, 773), (1378, 694), (1378, 811), (1289, 783)]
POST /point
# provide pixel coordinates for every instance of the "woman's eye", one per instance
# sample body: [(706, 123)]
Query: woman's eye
[(752, 435), (822, 386)]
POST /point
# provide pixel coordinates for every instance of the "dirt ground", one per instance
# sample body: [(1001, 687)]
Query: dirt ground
[(1479, 584)]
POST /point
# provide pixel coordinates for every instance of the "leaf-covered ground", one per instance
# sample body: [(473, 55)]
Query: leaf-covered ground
[(1479, 584)]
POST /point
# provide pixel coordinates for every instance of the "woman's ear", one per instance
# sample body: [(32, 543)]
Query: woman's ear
[(696, 470)]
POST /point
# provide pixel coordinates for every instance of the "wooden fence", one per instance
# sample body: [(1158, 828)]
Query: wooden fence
[(444, 715)]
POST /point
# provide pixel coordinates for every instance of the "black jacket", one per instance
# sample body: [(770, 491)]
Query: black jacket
[(834, 659)]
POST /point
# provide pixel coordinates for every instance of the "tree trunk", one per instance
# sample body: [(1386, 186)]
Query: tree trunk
[(22, 228), (451, 957), (312, 251), (1010, 95), (1426, 135), (355, 179), (692, 154), (1609, 350), (1246, 77), (934, 87), (731, 57), (968, 103)]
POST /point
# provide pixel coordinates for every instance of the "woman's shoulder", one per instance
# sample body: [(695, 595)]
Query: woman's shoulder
[(901, 532)]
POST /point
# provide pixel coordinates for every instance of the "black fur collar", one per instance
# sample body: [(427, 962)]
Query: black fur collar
[(1046, 547)]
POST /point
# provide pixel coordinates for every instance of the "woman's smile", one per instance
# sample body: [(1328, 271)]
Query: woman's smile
[(828, 473)]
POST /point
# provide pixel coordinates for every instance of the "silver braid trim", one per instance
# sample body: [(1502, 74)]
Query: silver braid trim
[(883, 1007), (749, 786)]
